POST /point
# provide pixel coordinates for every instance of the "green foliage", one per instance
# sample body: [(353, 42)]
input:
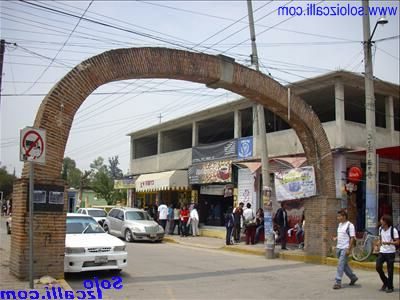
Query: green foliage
[(103, 186), (6, 182), (115, 172), (70, 173)]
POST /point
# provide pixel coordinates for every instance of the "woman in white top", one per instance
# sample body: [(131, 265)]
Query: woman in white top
[(389, 238), (194, 221)]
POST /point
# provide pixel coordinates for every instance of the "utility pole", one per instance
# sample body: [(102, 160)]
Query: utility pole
[(2, 49), (261, 137), (371, 207)]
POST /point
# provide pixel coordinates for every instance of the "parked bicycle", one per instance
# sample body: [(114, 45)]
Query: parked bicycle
[(364, 246)]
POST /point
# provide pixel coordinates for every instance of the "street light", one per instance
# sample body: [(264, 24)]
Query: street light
[(381, 21), (371, 203)]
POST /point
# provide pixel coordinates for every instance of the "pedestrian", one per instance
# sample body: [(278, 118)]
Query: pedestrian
[(170, 218), (260, 224), (250, 224), (389, 238), (162, 215), (9, 207), (345, 240), (184, 217), (177, 212), (238, 219), (4, 209), (194, 220), (229, 224), (281, 219)]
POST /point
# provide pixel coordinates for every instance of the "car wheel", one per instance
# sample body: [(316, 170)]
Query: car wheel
[(106, 229), (128, 236), (8, 229)]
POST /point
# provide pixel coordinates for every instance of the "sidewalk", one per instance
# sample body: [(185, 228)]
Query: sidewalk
[(259, 249), (9, 282)]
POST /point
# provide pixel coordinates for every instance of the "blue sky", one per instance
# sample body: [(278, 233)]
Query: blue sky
[(43, 45)]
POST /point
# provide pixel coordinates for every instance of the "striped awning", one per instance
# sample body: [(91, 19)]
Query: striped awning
[(171, 180)]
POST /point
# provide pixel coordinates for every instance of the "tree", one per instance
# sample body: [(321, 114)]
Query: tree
[(6, 182), (103, 185), (70, 173), (115, 172)]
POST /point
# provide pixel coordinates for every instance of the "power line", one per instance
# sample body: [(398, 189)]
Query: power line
[(59, 51)]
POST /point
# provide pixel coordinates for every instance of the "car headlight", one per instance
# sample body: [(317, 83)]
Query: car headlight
[(75, 250), (137, 229), (119, 248)]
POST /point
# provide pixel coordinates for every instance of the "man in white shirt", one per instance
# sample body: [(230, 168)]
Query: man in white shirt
[(163, 215), (345, 240), (389, 238)]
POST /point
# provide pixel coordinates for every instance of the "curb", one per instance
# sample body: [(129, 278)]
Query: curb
[(66, 286), (367, 266)]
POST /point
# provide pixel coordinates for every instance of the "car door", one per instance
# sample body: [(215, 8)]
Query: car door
[(119, 221), (111, 220)]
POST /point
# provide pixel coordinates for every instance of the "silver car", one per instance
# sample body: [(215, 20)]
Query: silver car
[(133, 224)]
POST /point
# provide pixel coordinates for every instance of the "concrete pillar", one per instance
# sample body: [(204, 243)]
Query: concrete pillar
[(256, 151), (238, 124), (340, 178), (159, 143), (339, 115), (195, 134), (389, 112)]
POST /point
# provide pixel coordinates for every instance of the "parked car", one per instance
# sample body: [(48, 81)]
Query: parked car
[(8, 225), (98, 214), (89, 248), (133, 224)]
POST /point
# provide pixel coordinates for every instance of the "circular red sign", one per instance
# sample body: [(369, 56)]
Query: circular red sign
[(354, 175)]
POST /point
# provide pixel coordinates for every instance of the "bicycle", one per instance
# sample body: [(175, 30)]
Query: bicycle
[(364, 246)]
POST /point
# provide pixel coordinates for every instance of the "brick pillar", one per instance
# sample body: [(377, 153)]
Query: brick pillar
[(49, 235), (320, 225)]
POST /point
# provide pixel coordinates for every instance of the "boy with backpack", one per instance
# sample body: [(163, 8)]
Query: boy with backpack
[(389, 239), (345, 241)]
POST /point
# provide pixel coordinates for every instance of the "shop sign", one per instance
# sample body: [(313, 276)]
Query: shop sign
[(354, 175), (210, 172), (215, 151), (295, 183), (212, 189), (245, 147), (126, 183)]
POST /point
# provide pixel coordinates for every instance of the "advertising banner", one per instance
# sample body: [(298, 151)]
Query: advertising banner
[(246, 193), (216, 151), (211, 172), (295, 183)]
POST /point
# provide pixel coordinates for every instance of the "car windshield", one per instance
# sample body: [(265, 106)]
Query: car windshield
[(137, 215), (97, 213), (82, 225)]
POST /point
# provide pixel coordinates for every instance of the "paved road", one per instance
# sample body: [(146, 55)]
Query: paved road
[(171, 271)]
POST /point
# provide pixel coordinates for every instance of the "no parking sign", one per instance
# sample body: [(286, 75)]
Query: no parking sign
[(33, 145)]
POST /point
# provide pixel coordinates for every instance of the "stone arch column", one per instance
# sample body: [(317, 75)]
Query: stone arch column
[(59, 107)]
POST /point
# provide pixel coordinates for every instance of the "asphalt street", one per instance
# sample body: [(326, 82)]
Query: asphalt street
[(171, 271)]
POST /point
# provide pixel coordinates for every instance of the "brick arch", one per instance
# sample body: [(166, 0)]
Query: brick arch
[(59, 107)]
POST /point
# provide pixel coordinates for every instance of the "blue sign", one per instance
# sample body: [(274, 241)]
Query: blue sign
[(245, 147)]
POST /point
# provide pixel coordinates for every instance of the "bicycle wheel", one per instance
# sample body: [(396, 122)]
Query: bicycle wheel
[(362, 251)]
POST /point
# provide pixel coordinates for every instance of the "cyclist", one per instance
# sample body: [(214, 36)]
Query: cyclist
[(345, 240), (389, 238)]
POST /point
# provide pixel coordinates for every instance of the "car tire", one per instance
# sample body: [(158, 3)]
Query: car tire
[(8, 229), (106, 229), (128, 236)]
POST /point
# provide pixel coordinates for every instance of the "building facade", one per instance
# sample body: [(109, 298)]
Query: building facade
[(211, 158)]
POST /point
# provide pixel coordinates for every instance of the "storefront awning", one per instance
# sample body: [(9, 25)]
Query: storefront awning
[(171, 180), (252, 166)]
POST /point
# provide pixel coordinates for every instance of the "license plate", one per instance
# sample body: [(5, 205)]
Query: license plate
[(101, 259), (153, 235)]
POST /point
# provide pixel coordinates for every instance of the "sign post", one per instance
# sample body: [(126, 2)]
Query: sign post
[(32, 150)]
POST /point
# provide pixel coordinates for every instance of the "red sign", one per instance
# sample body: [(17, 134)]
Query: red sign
[(354, 175)]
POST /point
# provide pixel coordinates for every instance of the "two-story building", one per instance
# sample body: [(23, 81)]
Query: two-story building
[(210, 157)]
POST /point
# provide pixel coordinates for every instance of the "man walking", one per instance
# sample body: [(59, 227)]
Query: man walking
[(162, 215), (389, 238), (281, 220), (345, 240)]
